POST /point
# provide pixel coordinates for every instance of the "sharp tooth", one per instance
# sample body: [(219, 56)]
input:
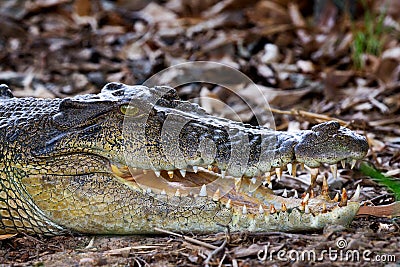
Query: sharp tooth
[(260, 209), (163, 192), (270, 186), (223, 173), (296, 195), (238, 184), (343, 200), (244, 210), (325, 187), (171, 174), (336, 198), (314, 174), (283, 208), (278, 172), (216, 195), (356, 195), (195, 169), (292, 168), (324, 210), (289, 167), (343, 162), (268, 177), (210, 167), (177, 193), (144, 171), (183, 173), (334, 170), (228, 204), (272, 209), (284, 194), (306, 209), (253, 180), (203, 191), (158, 173), (305, 199), (353, 163), (148, 190)]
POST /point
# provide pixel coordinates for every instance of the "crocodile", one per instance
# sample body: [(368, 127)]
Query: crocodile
[(133, 159)]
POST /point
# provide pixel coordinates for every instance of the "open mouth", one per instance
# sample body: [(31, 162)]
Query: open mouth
[(244, 195)]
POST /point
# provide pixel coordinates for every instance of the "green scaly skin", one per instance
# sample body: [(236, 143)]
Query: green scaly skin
[(64, 166)]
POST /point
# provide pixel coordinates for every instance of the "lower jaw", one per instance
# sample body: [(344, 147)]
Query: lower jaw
[(248, 195)]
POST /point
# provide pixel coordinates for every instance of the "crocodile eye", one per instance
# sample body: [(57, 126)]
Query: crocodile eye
[(128, 110)]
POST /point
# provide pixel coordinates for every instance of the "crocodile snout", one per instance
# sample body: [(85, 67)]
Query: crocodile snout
[(330, 143)]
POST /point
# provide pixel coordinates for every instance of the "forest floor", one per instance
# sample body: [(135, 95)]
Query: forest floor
[(312, 63)]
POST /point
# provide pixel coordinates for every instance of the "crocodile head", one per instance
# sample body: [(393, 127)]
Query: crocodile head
[(132, 158)]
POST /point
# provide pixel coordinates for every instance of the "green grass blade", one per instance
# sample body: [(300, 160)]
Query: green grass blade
[(391, 183)]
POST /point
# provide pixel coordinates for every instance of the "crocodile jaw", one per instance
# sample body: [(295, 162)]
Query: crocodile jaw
[(239, 209)]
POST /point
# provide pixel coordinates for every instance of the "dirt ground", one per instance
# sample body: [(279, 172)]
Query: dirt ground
[(310, 61)]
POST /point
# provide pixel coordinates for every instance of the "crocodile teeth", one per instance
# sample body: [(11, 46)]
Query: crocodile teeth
[(216, 195), (289, 167), (353, 163), (336, 198), (314, 174), (148, 191), (253, 180), (195, 169), (272, 209), (278, 172), (325, 187), (157, 173), (268, 177), (228, 204), (283, 208), (306, 209), (183, 173), (295, 194), (244, 209), (223, 173), (292, 168), (270, 186), (203, 191), (343, 200), (334, 170), (238, 184), (210, 168), (284, 194), (163, 192), (260, 209), (177, 193), (171, 174), (305, 199), (144, 171), (343, 162), (356, 195)]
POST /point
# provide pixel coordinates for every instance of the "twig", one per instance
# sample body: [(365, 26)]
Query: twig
[(302, 113), (217, 250), (187, 238)]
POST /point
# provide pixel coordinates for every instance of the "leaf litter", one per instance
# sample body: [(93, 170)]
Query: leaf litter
[(301, 56)]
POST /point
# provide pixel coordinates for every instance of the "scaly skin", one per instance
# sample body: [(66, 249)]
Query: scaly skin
[(77, 165)]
